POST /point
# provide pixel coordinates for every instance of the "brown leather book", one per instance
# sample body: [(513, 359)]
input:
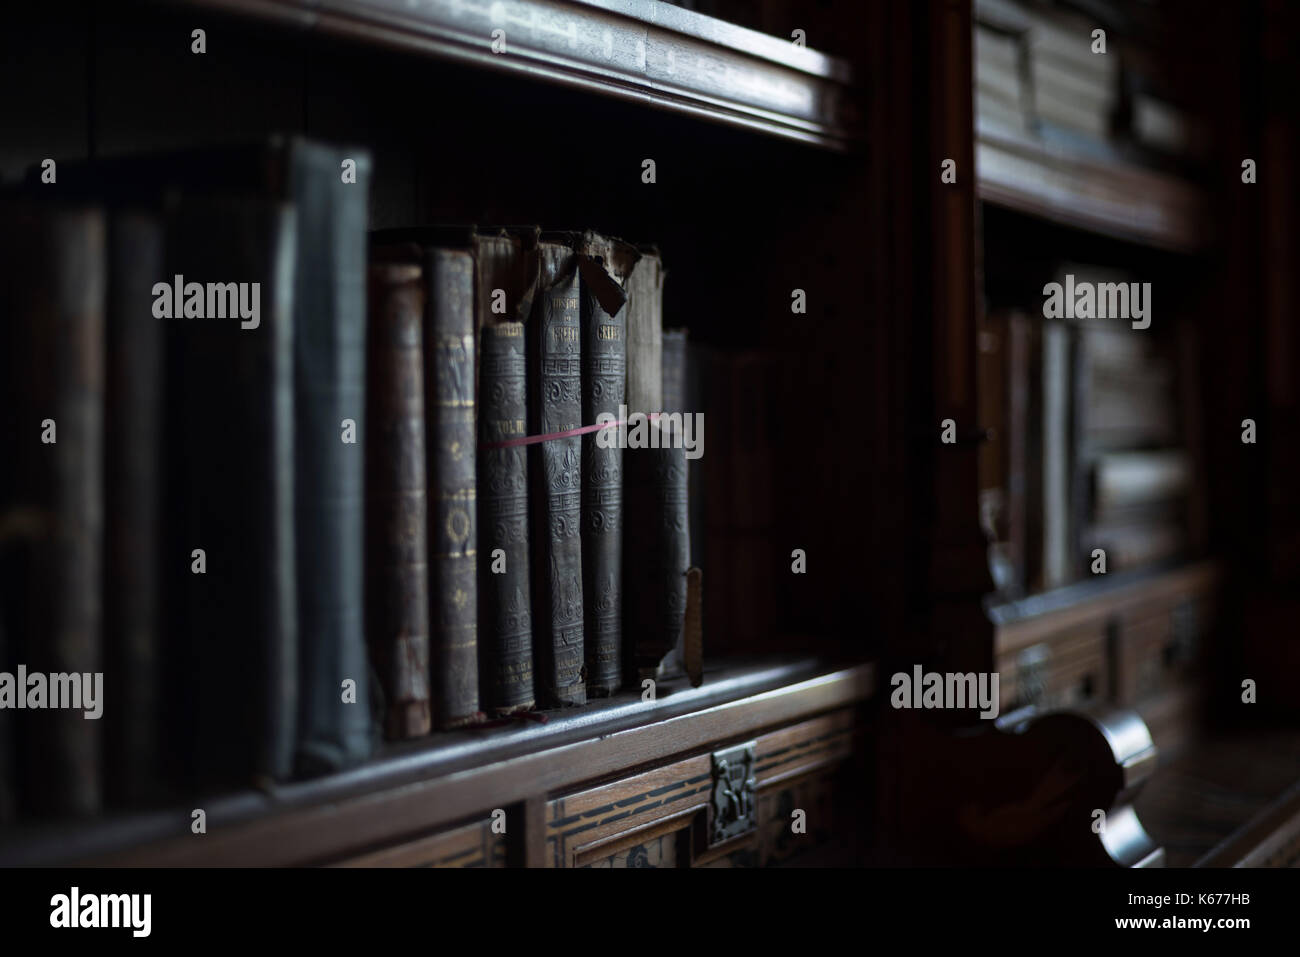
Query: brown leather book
[(397, 567)]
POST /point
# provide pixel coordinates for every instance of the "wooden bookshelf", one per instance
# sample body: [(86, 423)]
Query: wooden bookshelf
[(729, 112), (1112, 198), (1171, 640), (641, 51), (431, 785), (793, 168)]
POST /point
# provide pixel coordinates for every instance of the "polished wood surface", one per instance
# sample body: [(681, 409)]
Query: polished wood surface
[(641, 51), (1231, 800), (413, 790)]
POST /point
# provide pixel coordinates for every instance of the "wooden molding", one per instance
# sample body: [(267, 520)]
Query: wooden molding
[(1113, 198), (639, 50)]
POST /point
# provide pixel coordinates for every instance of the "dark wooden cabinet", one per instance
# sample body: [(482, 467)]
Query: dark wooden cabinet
[(628, 783), (784, 168)]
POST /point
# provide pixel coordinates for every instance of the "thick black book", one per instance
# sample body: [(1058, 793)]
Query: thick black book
[(132, 496), (228, 527), (328, 186), (555, 407), (604, 266), (52, 294)]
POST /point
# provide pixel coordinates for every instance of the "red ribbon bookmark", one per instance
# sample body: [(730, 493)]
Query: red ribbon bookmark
[(566, 434)]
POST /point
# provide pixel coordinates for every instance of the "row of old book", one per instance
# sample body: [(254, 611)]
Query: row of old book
[(1048, 73), (490, 354), (291, 486), (1091, 471)]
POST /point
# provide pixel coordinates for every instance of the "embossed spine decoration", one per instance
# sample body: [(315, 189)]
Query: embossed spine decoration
[(503, 510), (449, 412), (397, 588), (555, 347), (604, 267)]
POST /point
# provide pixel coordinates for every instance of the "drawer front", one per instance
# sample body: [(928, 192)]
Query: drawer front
[(1060, 671), (1128, 651), (661, 817), (473, 845), (1160, 645)]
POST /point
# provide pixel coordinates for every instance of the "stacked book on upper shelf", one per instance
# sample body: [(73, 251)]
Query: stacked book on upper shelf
[(1091, 471), (1071, 122), (288, 486), (1058, 74), (1132, 476)]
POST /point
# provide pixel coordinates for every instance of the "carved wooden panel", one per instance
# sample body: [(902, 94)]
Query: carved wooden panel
[(658, 818), (663, 846), (782, 833)]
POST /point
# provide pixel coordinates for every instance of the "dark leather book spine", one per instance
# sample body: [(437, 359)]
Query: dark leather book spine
[(453, 555), (54, 302), (683, 393), (505, 608), (132, 490), (397, 567), (229, 555), (555, 345), (655, 610), (330, 432), (604, 266), (604, 367)]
